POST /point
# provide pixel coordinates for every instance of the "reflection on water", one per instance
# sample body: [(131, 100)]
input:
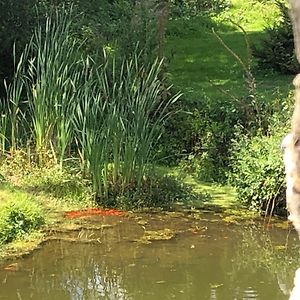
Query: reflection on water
[(207, 259)]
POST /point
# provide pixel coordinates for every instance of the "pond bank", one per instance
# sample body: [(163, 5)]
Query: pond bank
[(52, 211)]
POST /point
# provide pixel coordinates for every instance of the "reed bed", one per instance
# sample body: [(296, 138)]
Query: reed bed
[(109, 117)]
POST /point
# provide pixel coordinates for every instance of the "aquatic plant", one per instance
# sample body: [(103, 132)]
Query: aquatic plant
[(12, 116), (54, 74), (109, 116), (117, 122)]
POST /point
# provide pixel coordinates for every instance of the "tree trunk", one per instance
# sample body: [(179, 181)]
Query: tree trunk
[(295, 16), (291, 146)]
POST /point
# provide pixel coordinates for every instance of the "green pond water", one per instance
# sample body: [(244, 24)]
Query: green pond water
[(187, 255)]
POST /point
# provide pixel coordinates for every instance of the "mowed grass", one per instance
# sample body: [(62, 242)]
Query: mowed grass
[(206, 193), (203, 67), (200, 66)]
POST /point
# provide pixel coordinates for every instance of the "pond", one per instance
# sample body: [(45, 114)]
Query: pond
[(165, 255)]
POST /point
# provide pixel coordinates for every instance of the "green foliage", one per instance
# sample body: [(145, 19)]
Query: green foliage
[(188, 8), (118, 122), (54, 74), (107, 111), (195, 26), (276, 50), (18, 217), (155, 191), (252, 15), (66, 185), (2, 179), (177, 135), (258, 172), (195, 18), (108, 116), (218, 92), (143, 31), (17, 20), (118, 25), (198, 137)]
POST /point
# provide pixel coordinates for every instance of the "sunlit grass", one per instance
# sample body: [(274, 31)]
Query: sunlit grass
[(20, 214), (251, 15), (219, 195), (9, 193), (202, 67)]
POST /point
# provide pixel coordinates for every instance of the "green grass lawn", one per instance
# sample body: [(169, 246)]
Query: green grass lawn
[(201, 67), (223, 196), (209, 193)]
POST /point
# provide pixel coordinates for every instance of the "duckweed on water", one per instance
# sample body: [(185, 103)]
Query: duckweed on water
[(157, 235)]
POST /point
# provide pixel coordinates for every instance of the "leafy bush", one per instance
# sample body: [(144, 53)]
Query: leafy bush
[(17, 20), (156, 191), (258, 171), (199, 137), (119, 25), (195, 26), (181, 8), (18, 217), (67, 185), (277, 49)]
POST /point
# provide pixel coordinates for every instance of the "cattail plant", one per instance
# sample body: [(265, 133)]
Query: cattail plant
[(118, 121), (54, 74), (110, 116), (12, 117), (3, 126)]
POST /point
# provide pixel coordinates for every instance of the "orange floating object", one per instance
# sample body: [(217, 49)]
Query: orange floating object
[(93, 212), (12, 267)]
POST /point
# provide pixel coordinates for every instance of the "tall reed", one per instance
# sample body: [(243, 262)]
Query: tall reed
[(12, 117), (111, 114), (3, 126), (54, 74), (118, 121)]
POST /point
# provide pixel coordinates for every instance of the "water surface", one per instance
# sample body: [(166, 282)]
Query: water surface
[(193, 255)]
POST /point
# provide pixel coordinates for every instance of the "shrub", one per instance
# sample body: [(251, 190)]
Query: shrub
[(258, 171), (181, 8), (66, 184), (19, 216), (199, 137), (156, 191), (276, 51), (17, 20)]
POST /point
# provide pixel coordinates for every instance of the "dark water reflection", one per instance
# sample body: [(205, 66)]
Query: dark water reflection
[(207, 259)]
